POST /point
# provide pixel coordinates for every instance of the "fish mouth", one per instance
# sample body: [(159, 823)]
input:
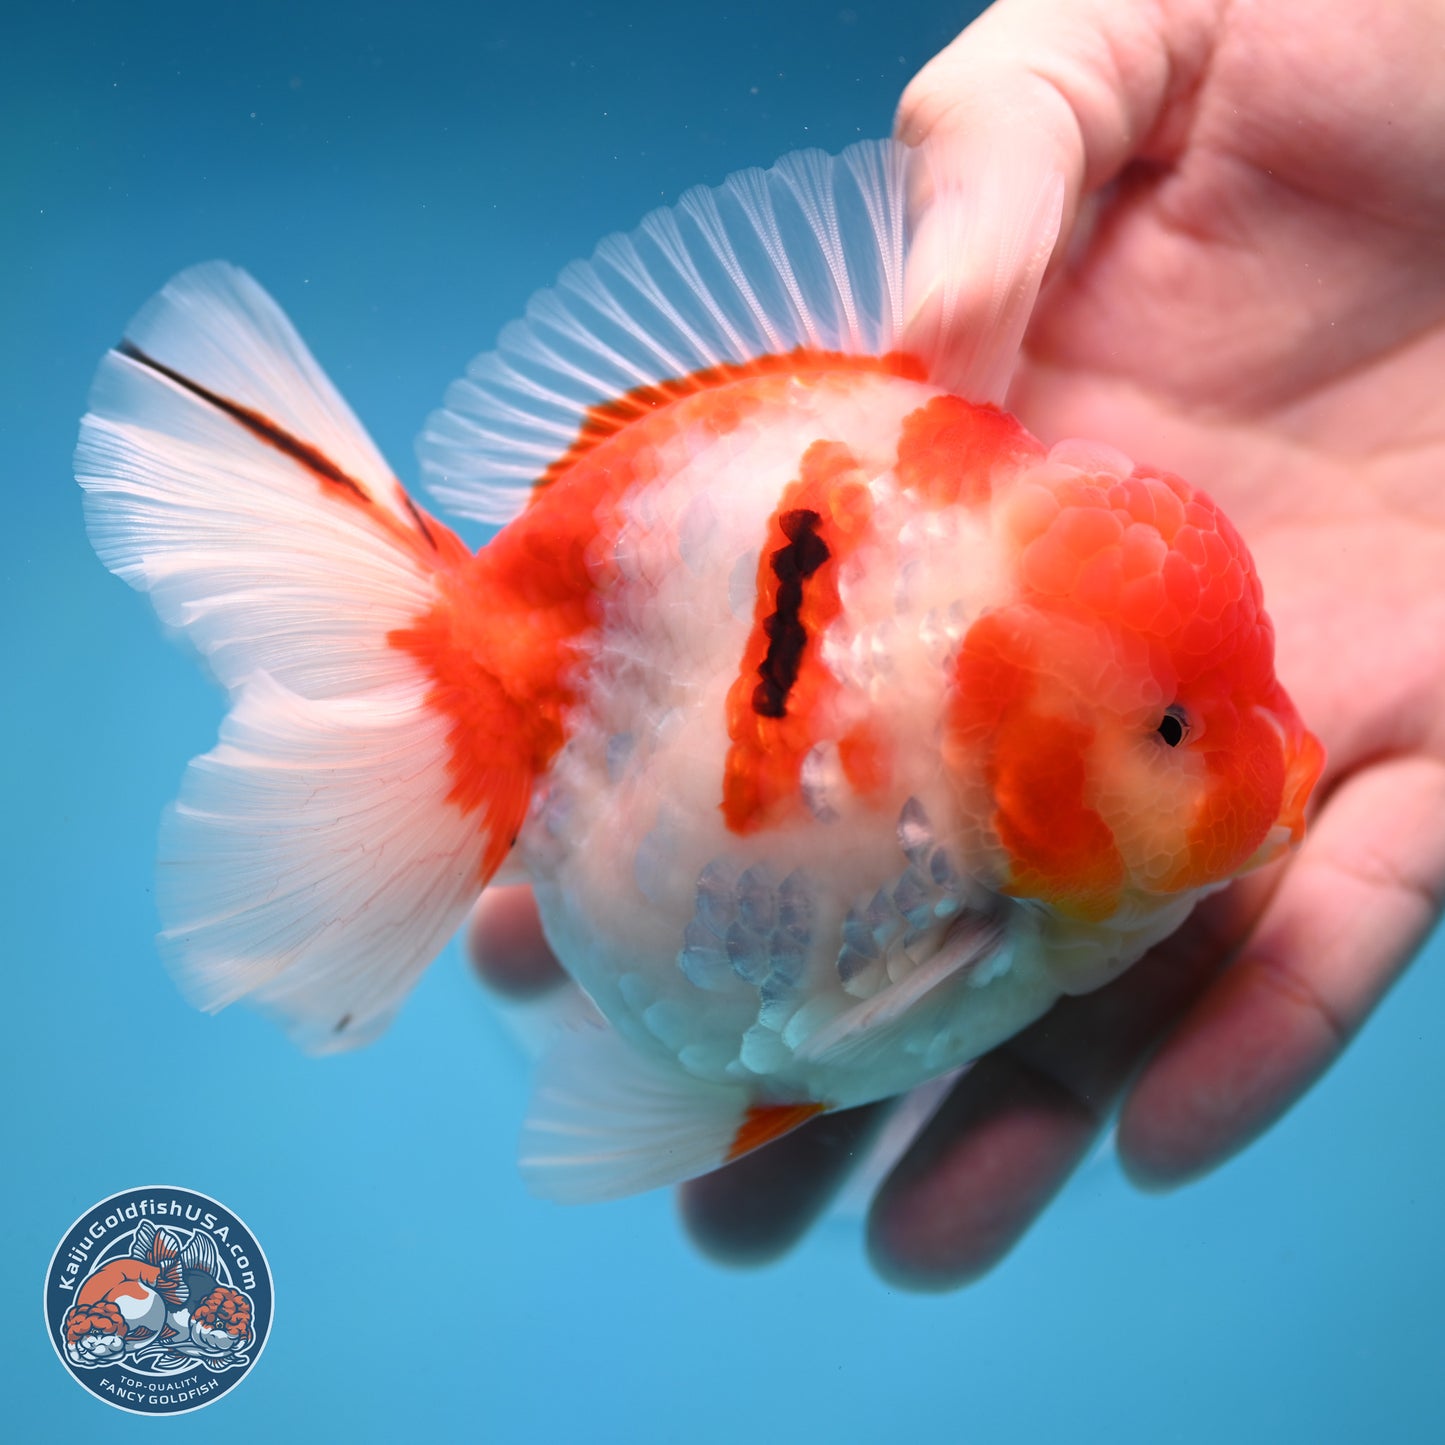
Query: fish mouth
[(1304, 762)]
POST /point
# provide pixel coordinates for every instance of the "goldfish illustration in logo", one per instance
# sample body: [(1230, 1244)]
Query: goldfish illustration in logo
[(839, 724), (160, 1304)]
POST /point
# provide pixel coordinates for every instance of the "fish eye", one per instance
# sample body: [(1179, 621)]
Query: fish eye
[(1173, 726)]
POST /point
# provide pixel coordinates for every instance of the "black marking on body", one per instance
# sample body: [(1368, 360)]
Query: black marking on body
[(787, 638), (310, 457)]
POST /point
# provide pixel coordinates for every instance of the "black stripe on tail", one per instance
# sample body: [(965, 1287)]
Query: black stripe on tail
[(310, 457)]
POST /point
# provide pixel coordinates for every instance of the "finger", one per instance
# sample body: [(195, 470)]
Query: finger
[(1100, 80), (987, 216), (1351, 910), (506, 946), (987, 1164), (989, 1161), (752, 1211), (1035, 105), (1024, 1117)]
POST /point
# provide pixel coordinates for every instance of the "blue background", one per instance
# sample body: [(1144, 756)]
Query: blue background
[(402, 177)]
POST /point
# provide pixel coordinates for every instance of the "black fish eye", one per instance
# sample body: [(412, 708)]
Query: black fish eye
[(1174, 726)]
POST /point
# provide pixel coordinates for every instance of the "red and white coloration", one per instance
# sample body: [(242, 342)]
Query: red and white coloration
[(839, 724)]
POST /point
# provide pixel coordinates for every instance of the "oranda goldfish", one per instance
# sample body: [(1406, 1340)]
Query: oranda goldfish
[(839, 724), (162, 1294)]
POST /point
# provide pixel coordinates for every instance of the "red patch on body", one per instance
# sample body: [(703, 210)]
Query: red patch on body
[(608, 418), (501, 733), (1060, 848), (950, 450), (507, 640), (776, 708), (863, 753)]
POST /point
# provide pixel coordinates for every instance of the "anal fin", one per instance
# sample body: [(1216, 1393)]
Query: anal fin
[(765, 1122), (607, 1122)]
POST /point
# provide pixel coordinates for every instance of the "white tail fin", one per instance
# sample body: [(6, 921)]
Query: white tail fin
[(315, 860)]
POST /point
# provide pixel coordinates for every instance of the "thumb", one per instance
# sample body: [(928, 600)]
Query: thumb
[(987, 212), (1035, 106)]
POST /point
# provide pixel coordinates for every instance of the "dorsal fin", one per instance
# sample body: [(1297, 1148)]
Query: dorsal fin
[(200, 1253), (803, 262), (145, 1234), (808, 254)]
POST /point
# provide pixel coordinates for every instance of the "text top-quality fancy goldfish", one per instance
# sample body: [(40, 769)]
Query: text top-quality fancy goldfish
[(840, 725)]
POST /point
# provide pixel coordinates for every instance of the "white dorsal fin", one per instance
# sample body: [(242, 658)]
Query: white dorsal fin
[(809, 253), (815, 252), (145, 1235), (606, 1122)]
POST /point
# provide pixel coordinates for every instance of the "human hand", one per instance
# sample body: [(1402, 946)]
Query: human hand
[(1259, 305)]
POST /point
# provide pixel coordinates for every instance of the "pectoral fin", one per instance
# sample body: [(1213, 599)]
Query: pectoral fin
[(974, 941)]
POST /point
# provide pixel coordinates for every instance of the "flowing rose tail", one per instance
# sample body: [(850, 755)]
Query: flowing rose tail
[(317, 858)]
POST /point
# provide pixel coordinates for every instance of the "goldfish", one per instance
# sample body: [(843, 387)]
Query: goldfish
[(839, 724), (143, 1301)]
